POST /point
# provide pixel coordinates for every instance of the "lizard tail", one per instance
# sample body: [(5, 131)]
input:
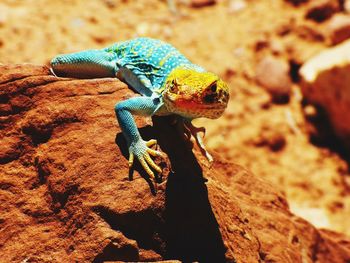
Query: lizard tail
[(85, 64)]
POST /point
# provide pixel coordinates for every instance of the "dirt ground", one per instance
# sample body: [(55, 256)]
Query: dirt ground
[(228, 38)]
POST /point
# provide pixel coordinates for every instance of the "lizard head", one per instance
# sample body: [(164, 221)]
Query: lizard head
[(194, 94)]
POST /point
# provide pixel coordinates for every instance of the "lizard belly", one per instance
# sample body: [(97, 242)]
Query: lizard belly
[(129, 77)]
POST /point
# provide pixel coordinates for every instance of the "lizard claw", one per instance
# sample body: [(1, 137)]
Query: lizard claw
[(52, 72), (131, 159), (151, 142), (143, 153), (187, 133)]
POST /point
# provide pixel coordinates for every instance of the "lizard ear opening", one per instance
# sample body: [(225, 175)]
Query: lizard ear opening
[(173, 85), (174, 82)]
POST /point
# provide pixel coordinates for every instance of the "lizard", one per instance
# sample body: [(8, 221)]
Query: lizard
[(167, 81)]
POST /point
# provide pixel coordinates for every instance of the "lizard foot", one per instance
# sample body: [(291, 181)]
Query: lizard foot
[(194, 131), (141, 149)]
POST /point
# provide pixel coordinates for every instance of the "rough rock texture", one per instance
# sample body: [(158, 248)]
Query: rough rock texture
[(66, 195), (326, 82)]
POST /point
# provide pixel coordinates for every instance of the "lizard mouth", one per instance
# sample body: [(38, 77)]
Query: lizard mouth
[(193, 108)]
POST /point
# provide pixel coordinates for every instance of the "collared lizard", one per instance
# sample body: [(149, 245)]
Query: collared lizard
[(168, 82)]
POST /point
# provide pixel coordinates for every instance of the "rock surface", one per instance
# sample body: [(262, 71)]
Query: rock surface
[(326, 82), (66, 196)]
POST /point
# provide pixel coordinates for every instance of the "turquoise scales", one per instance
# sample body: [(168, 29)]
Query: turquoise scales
[(168, 81), (150, 60)]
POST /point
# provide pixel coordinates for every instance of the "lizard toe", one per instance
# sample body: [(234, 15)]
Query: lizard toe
[(146, 167), (155, 153), (151, 142), (131, 159), (152, 163)]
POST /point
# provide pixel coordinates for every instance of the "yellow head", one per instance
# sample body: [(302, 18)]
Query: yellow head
[(194, 94)]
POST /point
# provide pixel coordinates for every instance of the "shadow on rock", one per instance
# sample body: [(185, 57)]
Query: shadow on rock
[(191, 230)]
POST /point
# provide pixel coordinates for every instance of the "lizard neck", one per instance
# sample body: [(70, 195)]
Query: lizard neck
[(162, 110)]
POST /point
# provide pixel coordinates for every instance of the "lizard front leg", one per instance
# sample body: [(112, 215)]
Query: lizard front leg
[(145, 106)]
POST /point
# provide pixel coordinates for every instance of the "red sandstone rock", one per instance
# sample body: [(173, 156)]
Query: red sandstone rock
[(325, 82), (65, 195)]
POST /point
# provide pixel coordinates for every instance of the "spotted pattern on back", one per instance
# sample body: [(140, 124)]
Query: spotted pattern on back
[(150, 58)]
